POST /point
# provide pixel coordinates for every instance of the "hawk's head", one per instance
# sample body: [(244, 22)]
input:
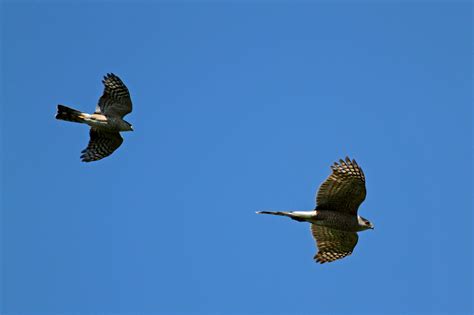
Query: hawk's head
[(364, 224), (128, 126)]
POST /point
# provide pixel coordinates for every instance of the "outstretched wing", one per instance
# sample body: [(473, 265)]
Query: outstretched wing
[(116, 99), (332, 244), (344, 190), (101, 144)]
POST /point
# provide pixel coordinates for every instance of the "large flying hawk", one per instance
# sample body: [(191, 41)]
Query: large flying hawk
[(334, 221), (107, 120)]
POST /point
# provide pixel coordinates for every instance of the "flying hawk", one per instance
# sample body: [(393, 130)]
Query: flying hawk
[(106, 122), (334, 221)]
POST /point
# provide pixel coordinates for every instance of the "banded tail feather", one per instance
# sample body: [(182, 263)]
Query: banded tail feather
[(300, 216), (70, 114)]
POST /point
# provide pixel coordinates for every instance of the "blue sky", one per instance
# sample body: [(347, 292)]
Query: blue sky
[(238, 107)]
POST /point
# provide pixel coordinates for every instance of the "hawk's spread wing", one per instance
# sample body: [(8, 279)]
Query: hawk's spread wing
[(116, 99), (101, 144), (344, 190), (332, 244)]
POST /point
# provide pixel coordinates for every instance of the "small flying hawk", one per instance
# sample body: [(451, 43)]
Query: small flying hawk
[(334, 221), (106, 122)]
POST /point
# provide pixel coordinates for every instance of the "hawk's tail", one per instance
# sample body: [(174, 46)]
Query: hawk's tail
[(69, 114), (283, 213), (300, 216)]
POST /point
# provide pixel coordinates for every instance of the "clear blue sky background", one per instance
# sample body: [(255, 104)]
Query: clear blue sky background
[(238, 107)]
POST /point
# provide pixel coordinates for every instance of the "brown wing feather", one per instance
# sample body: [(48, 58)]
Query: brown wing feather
[(115, 101), (344, 190), (101, 144), (333, 244)]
